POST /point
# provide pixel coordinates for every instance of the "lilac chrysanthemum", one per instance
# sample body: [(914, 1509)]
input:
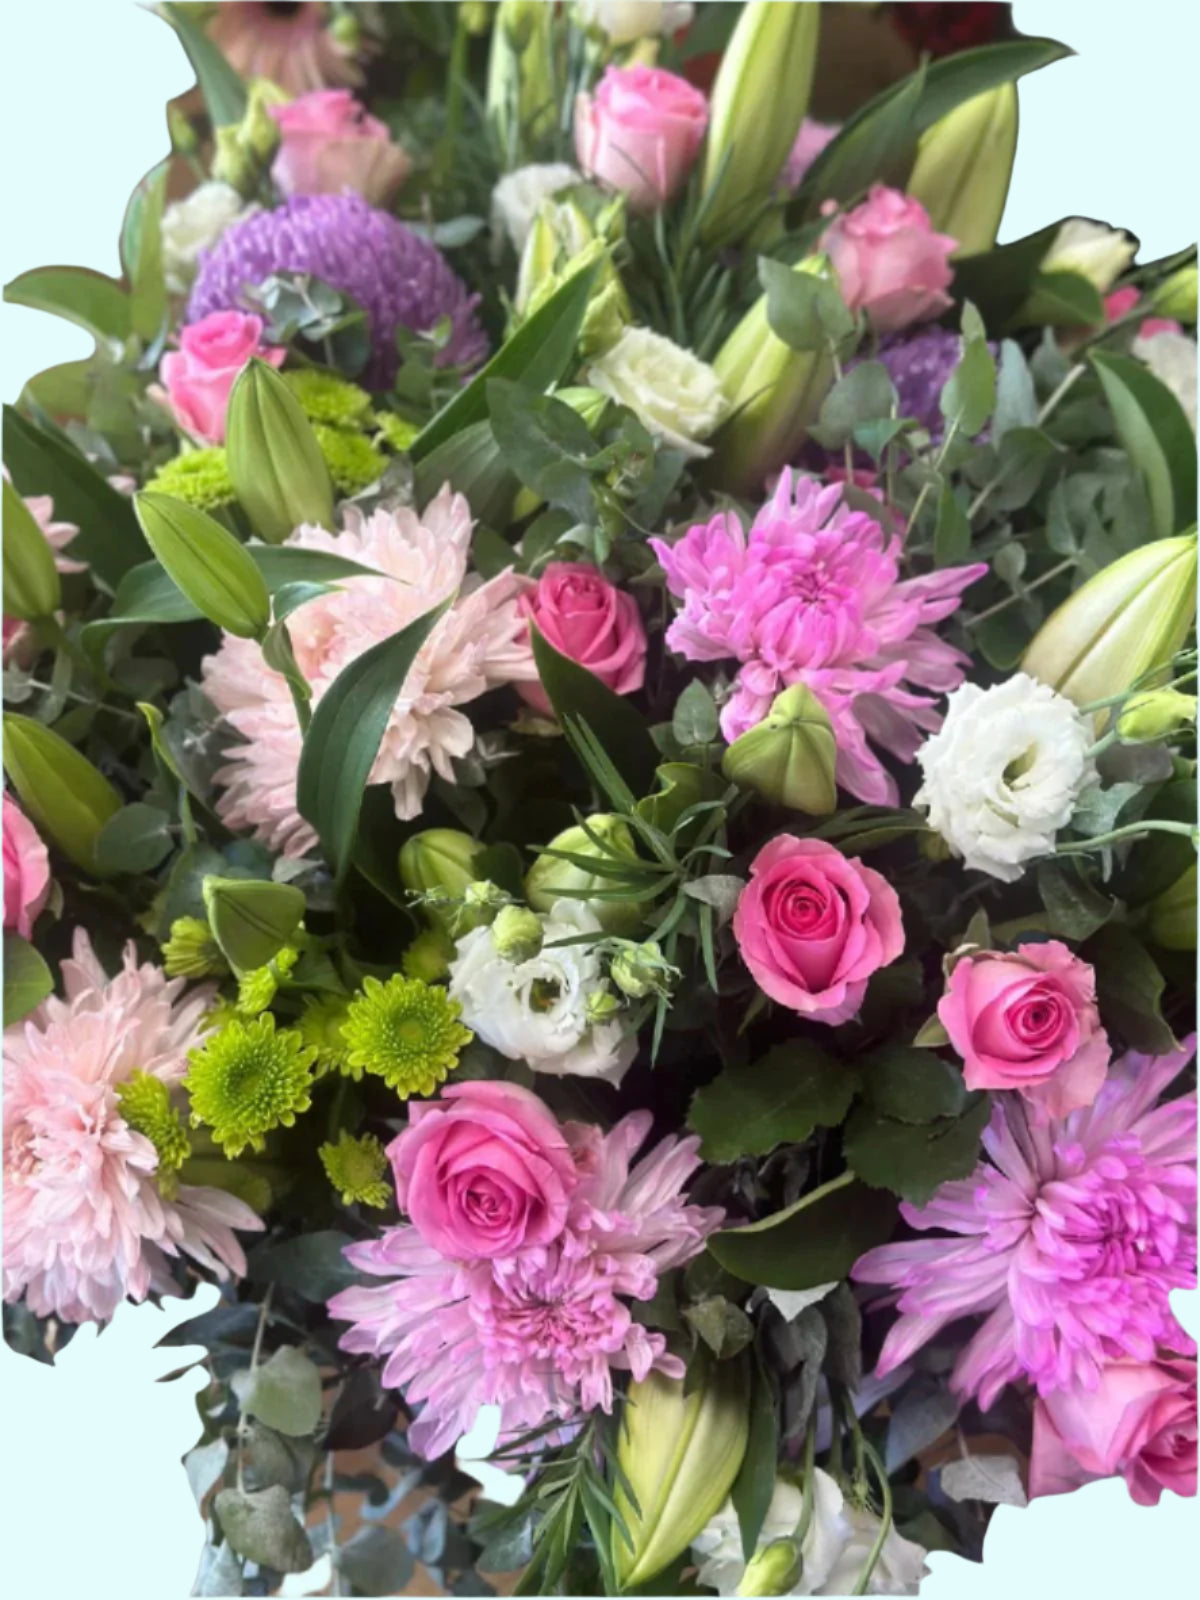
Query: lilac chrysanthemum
[(919, 365), (399, 279), (1074, 1234)]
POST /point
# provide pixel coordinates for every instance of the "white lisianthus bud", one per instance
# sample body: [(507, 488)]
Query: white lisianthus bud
[(517, 933), (1171, 357), (1094, 251), (195, 224), (626, 20), (518, 197), (639, 970), (1005, 772), (677, 397)]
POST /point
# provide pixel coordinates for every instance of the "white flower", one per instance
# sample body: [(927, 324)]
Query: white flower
[(626, 20), (195, 224), (1171, 357), (537, 1010), (1096, 252), (677, 397), (1004, 773), (518, 196)]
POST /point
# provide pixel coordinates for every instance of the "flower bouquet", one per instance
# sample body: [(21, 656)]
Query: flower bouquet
[(600, 806)]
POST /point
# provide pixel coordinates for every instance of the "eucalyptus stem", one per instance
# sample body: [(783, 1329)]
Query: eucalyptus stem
[(885, 1519), (997, 478), (335, 1579), (1011, 599), (951, 433), (1131, 830), (264, 1311)]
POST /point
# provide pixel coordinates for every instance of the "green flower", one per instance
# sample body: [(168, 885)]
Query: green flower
[(395, 431), (145, 1103), (321, 1028), (406, 1031), (353, 461), (191, 951), (201, 477), (355, 1168), (258, 987), (248, 1079), (324, 397), (428, 957)]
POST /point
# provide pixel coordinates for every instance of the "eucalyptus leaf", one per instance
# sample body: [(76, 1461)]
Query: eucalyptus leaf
[(994, 1480), (27, 978), (135, 839), (261, 1527), (285, 1392)]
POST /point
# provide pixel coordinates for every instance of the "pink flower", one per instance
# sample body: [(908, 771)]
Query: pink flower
[(288, 44), (330, 143), (589, 619), (26, 870), (888, 260), (640, 133), (1139, 1421), (813, 925), (86, 1222), (810, 141), (1121, 302), (1028, 1021), (539, 1332), (478, 644), (1073, 1234), (484, 1175), (813, 595), (200, 375)]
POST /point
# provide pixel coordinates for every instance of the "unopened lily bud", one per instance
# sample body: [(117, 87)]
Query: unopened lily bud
[(206, 563), (251, 919), (275, 462), (475, 16), (183, 135), (31, 586), (1155, 715), (963, 168), (791, 756), (439, 859), (1176, 295), (345, 32), (517, 933), (639, 970), (775, 1569), (562, 243), (1171, 920), (587, 403), (260, 132), (559, 231), (601, 1006), (521, 98), (607, 842), (66, 798)]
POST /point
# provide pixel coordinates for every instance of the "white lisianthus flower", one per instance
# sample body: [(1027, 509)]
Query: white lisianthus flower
[(1094, 251), (1171, 357), (518, 196), (537, 1010), (677, 397), (1004, 773), (194, 224), (626, 20)]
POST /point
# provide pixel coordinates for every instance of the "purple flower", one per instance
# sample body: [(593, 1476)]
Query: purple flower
[(919, 365), (399, 279)]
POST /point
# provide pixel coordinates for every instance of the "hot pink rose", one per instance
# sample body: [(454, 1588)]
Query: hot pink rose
[(640, 133), (888, 260), (26, 871), (1140, 1421), (200, 375), (331, 143), (590, 620), (1028, 1021), (483, 1171), (1121, 302), (813, 925)]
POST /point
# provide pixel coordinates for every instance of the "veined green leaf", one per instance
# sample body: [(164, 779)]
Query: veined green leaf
[(77, 294), (224, 92), (1154, 429)]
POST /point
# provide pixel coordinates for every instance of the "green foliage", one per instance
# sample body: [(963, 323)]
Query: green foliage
[(815, 1240), (27, 978), (748, 1110)]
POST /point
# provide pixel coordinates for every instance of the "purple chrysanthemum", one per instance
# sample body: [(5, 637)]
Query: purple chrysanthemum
[(919, 365), (399, 279)]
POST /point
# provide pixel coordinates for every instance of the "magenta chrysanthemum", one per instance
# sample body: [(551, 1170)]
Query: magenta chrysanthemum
[(1075, 1233), (399, 279), (85, 1221), (813, 594), (538, 1333)]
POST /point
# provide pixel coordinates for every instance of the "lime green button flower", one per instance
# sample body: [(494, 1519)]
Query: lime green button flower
[(396, 431), (199, 477), (259, 986), (353, 461), (191, 951), (248, 1079), (355, 1168), (321, 1028), (405, 1031), (324, 397), (429, 956), (145, 1103)]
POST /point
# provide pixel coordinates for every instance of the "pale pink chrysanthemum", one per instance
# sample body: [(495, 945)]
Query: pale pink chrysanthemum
[(1074, 1234), (85, 1223), (538, 1333), (290, 44), (479, 644), (813, 594)]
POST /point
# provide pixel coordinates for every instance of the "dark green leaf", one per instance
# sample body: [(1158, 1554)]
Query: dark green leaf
[(78, 294), (472, 463), (363, 1413), (1154, 429), (1063, 299), (781, 1098), (1129, 986), (816, 1240), (141, 252), (285, 1392), (545, 443), (952, 530), (136, 839), (912, 1160), (755, 1482), (261, 1528), (1075, 907), (919, 1418), (724, 1327), (312, 1265), (998, 280), (27, 978), (911, 1085), (224, 92), (578, 696)]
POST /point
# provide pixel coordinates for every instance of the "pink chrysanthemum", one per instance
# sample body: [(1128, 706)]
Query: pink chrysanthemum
[(479, 644), (1074, 1236), (541, 1332), (813, 595), (85, 1222)]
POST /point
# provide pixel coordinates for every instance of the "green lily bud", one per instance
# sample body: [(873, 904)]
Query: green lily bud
[(1171, 918), (521, 99), (551, 878), (439, 859), (1122, 624), (639, 970), (260, 131), (251, 918), (517, 933), (587, 403), (1155, 715), (204, 560), (1176, 295), (183, 135), (791, 755), (345, 32), (275, 462), (963, 168), (60, 791), (758, 103), (680, 1454), (31, 586), (561, 244), (560, 231), (475, 16), (775, 1569)]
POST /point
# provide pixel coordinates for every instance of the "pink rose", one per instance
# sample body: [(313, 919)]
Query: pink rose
[(26, 871), (1028, 1021), (590, 620), (200, 375), (813, 925), (1139, 1421), (483, 1171), (640, 132), (888, 260), (1121, 302), (810, 141), (331, 143)]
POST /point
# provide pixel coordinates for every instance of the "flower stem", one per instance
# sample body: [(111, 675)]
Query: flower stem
[(810, 1481), (1003, 605), (1131, 830), (885, 1520), (264, 1312)]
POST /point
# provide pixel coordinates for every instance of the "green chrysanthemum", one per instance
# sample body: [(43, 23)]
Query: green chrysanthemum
[(405, 1031), (248, 1079), (355, 1168), (259, 986), (191, 951), (324, 397), (428, 957), (321, 1027), (201, 477), (145, 1103), (396, 431), (353, 461)]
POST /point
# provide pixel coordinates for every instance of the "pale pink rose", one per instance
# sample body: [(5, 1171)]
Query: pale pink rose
[(200, 375), (810, 141), (1028, 1021), (330, 143), (484, 1171), (26, 871), (640, 132), (889, 261), (590, 620), (1139, 1421), (813, 925), (1122, 301)]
